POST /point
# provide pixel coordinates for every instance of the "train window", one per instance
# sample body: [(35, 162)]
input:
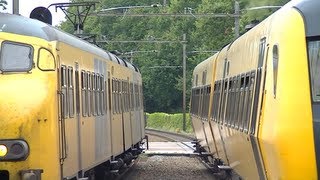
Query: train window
[(217, 102), (84, 93), (233, 100), (46, 61), (314, 62), (16, 57), (94, 94), (131, 96), (241, 102), (224, 101), (229, 102), (89, 92), (98, 98), (102, 95), (245, 103), (250, 101), (64, 92), (204, 77), (123, 96), (71, 91), (196, 79), (275, 57), (116, 96), (77, 89), (110, 93), (119, 96), (113, 96)]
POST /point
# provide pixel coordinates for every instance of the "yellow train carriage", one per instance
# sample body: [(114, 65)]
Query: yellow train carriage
[(265, 107), (57, 104), (201, 87)]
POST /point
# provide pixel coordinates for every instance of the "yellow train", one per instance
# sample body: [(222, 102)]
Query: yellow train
[(255, 104), (69, 110)]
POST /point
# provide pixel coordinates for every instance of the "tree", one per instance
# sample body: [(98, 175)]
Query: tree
[(163, 86)]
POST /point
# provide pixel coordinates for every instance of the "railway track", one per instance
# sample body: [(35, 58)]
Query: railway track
[(170, 136), (220, 172)]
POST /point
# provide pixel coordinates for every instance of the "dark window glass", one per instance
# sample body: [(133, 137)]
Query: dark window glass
[(275, 68)]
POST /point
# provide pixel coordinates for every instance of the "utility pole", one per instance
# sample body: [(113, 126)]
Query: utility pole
[(236, 19), (15, 8), (184, 55)]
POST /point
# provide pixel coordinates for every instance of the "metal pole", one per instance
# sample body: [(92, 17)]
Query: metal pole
[(184, 47), (15, 8), (236, 19)]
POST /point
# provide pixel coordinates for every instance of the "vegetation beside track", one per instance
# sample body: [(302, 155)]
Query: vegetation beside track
[(169, 122)]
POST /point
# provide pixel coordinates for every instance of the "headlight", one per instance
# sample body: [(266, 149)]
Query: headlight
[(3, 150), (13, 150)]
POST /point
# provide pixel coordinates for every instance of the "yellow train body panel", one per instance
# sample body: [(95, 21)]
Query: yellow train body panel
[(28, 111), (264, 107), (286, 125)]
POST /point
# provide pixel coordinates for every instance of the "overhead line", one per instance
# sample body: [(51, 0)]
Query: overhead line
[(165, 14)]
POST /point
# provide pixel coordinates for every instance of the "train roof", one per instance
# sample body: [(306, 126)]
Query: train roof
[(310, 11), (202, 65), (17, 24)]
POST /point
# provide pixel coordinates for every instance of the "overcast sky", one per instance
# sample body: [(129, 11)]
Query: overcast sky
[(26, 6)]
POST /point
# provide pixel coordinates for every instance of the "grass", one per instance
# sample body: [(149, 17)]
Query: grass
[(169, 122)]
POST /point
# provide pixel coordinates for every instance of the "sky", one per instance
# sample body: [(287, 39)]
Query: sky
[(26, 6)]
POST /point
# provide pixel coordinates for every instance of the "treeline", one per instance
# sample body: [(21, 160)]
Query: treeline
[(160, 62)]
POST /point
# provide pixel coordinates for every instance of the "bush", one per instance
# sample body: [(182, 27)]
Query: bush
[(169, 122)]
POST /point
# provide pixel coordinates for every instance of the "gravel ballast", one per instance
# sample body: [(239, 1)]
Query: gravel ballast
[(168, 168)]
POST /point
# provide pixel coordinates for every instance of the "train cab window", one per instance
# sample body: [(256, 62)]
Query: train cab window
[(314, 63), (84, 93), (71, 91), (46, 61), (275, 62), (16, 57)]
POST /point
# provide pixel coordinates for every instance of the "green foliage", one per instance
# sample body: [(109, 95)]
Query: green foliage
[(168, 122), (163, 86)]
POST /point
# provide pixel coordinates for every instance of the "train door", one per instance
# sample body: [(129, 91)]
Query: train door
[(109, 109), (68, 131), (257, 105), (221, 112), (77, 105)]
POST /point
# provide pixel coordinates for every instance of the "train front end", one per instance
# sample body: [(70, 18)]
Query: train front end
[(29, 140)]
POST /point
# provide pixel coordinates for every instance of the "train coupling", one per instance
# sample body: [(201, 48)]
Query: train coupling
[(31, 174)]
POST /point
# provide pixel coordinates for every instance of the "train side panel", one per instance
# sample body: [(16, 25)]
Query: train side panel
[(286, 126), (201, 93)]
